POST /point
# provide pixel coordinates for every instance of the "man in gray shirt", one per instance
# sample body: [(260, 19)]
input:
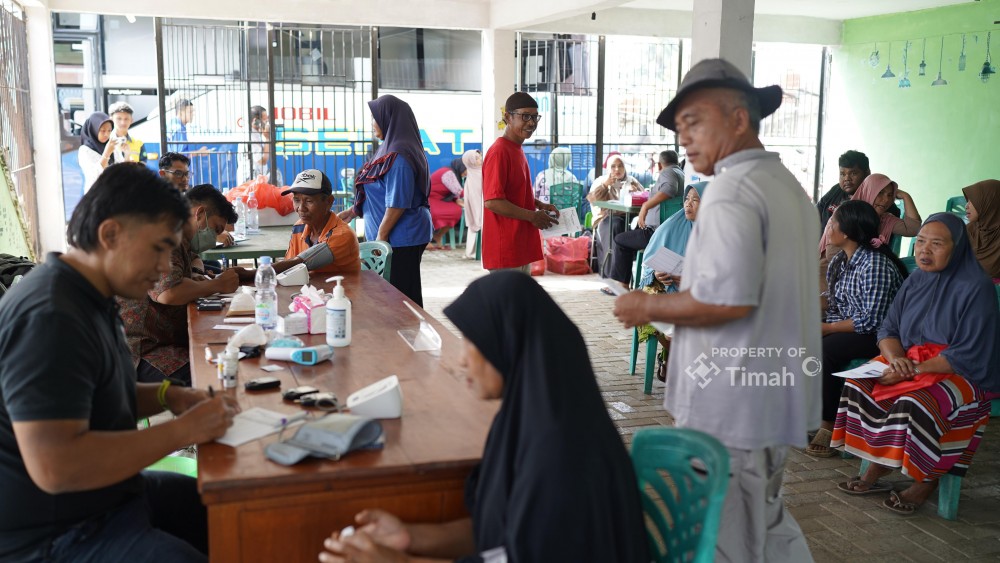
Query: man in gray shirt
[(669, 184), (743, 360)]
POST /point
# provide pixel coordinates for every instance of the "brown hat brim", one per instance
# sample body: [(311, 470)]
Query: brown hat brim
[(769, 98)]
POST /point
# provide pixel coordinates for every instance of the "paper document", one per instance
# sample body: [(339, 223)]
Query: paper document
[(256, 423), (666, 329), (239, 320), (231, 327), (867, 371), (666, 261), (569, 223)]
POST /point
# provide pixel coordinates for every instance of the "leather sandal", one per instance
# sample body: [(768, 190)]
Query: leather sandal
[(820, 444), (896, 504), (878, 487)]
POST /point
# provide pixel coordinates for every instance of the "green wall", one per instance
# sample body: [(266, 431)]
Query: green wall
[(933, 140)]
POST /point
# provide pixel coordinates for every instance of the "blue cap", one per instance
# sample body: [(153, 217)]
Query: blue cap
[(265, 260)]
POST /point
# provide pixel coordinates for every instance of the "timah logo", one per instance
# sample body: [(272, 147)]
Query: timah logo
[(701, 372)]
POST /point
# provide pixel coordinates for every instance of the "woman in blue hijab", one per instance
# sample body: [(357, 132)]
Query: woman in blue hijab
[(672, 234), (927, 413), (391, 192)]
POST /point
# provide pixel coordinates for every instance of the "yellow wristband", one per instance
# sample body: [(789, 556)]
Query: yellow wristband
[(161, 394)]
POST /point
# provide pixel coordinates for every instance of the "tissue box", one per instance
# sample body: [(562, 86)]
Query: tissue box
[(315, 314), (317, 321), (295, 323)]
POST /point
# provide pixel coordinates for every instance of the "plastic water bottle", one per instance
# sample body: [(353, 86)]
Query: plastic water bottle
[(240, 230), (253, 216), (266, 299)]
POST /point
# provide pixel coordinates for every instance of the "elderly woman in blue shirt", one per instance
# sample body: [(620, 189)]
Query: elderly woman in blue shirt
[(863, 278)]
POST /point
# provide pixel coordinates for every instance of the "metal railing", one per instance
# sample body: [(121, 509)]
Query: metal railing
[(15, 114)]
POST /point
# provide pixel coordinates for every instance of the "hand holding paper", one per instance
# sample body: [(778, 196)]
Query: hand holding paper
[(666, 261), (569, 223), (665, 328)]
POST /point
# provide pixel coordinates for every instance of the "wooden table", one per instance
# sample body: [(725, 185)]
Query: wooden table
[(270, 241), (261, 511)]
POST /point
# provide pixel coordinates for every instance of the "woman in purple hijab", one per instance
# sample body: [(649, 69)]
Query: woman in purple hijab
[(391, 193)]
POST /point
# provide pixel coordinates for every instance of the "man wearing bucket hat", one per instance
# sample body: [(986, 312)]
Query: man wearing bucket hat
[(320, 239), (743, 357)]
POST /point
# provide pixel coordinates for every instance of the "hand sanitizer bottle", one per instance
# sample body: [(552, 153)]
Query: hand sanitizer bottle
[(338, 316)]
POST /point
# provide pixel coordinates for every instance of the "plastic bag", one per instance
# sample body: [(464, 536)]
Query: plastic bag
[(918, 353), (568, 256), (268, 196)]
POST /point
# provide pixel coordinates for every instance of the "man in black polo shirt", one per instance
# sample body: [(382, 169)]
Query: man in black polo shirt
[(70, 454), (854, 168)]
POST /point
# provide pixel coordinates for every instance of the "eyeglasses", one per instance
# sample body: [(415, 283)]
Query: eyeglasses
[(536, 117), (177, 173)]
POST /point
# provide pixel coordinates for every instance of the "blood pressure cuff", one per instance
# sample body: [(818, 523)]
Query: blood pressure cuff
[(317, 256)]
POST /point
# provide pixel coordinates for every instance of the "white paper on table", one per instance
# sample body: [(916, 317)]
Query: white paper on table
[(870, 370), (666, 261), (239, 320), (272, 367), (233, 328), (256, 423), (569, 223)]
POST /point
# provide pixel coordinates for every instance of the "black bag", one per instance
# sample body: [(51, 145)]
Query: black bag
[(11, 267)]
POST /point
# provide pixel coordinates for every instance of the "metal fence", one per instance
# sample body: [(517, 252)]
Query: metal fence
[(793, 130), (311, 81), (15, 114), (600, 95)]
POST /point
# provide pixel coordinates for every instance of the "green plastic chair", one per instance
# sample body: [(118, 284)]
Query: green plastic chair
[(376, 255), (683, 475), (651, 343), (176, 464), (955, 205), (669, 207), (566, 195), (455, 234)]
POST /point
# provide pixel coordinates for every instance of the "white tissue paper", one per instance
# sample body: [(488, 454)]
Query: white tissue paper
[(242, 303)]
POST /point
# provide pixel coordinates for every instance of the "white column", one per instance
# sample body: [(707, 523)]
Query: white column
[(723, 29), (499, 78), (45, 125)]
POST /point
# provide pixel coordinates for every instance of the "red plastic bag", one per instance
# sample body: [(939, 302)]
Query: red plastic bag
[(918, 353), (568, 256), (267, 195)]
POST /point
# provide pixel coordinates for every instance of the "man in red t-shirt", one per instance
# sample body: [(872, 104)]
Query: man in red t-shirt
[(513, 216)]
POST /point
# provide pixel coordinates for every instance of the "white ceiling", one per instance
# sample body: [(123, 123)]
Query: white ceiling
[(825, 9)]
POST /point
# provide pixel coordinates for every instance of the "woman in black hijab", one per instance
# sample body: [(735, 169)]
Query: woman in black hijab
[(555, 482), (94, 153)]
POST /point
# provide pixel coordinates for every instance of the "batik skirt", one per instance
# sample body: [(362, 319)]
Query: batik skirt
[(926, 433)]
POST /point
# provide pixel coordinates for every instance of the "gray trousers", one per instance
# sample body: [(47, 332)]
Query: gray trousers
[(755, 524)]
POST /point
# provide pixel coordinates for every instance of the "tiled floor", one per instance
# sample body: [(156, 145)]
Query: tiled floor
[(838, 527)]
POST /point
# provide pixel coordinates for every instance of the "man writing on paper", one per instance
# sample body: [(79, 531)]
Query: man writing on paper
[(71, 459), (746, 307), (513, 216), (156, 324)]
